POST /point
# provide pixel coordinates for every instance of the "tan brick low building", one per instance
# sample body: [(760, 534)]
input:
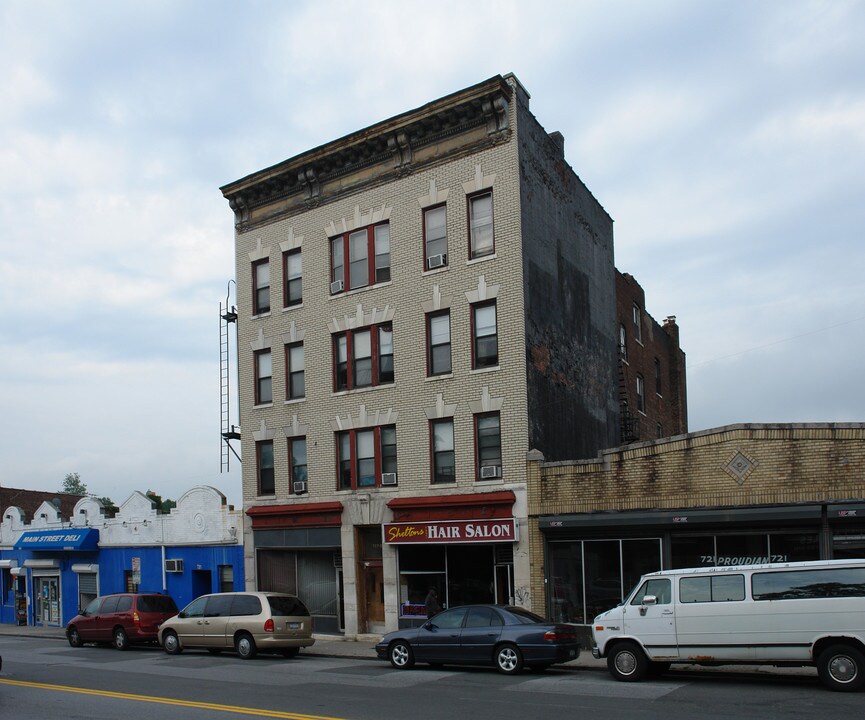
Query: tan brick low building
[(738, 494)]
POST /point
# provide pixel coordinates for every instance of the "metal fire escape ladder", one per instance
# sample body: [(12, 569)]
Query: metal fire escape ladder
[(229, 432)]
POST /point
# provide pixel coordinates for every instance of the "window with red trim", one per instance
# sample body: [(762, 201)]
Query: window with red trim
[(297, 469), (442, 451), (292, 271), (295, 385), (363, 357), (481, 238), (488, 446), (364, 455), (435, 234), (438, 338), (264, 463), (360, 258), (485, 337), (263, 377), (260, 287)]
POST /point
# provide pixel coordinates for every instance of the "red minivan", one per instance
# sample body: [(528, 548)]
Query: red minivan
[(121, 619)]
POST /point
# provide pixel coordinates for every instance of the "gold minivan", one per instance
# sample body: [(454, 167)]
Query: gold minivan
[(246, 622)]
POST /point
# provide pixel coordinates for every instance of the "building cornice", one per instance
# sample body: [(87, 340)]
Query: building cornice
[(388, 149)]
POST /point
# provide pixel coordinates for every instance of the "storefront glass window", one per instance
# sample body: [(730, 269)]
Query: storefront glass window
[(796, 548), (420, 568), (470, 575), (742, 549), (687, 552), (849, 544), (566, 582), (603, 576), (638, 558)]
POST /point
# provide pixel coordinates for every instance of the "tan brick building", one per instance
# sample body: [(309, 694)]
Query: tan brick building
[(733, 495), (420, 303)]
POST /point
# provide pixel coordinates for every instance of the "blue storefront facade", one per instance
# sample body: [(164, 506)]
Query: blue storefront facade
[(51, 566)]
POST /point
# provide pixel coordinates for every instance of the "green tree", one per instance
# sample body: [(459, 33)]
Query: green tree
[(72, 484), (163, 506), (109, 505)]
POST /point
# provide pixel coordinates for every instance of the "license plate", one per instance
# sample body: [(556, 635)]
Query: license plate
[(294, 626)]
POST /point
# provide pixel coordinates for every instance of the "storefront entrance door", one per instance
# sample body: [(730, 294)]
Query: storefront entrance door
[(47, 600), (374, 592)]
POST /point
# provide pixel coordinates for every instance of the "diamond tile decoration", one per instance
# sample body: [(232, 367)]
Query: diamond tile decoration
[(740, 467)]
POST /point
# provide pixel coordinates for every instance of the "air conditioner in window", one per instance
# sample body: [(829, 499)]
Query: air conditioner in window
[(336, 287), (174, 566), (388, 478), (299, 487), (490, 471), (435, 261)]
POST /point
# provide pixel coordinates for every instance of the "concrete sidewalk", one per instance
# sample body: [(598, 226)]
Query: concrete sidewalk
[(362, 647)]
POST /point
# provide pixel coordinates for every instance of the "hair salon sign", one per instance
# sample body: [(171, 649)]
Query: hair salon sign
[(451, 531)]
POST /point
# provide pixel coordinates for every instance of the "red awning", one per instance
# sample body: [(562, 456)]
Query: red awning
[(325, 514), (453, 507)]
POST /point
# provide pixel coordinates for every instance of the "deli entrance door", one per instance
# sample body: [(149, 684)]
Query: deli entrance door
[(46, 606)]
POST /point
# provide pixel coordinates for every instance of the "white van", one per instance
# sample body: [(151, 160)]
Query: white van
[(803, 613)]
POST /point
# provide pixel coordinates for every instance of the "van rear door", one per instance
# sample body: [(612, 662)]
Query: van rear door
[(649, 616)]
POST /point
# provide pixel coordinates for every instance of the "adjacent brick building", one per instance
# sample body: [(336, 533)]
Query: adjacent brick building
[(652, 385), (739, 494), (419, 305)]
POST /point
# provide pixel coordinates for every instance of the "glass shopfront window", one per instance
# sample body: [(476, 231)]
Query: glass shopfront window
[(588, 577), (461, 575), (745, 549)]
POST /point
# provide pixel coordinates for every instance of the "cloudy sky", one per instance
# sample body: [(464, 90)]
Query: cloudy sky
[(726, 139)]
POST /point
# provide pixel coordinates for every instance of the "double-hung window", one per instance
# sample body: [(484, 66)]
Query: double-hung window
[(435, 237), (442, 446), (363, 357), (263, 377), (485, 351), (294, 364), (488, 446), (641, 394), (264, 458), (658, 386), (438, 333), (360, 258), (623, 343), (260, 287), (481, 239), (638, 324), (292, 270), (297, 465), (364, 455)]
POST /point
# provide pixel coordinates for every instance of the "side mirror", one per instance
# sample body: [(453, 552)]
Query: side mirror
[(650, 600)]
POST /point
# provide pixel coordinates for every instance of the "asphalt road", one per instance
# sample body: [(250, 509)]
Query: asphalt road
[(46, 679)]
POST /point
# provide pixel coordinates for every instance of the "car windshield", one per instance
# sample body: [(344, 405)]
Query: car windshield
[(524, 617), (156, 604), (286, 605)]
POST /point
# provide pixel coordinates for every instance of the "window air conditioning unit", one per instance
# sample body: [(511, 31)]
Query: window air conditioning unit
[(299, 487), (435, 261), (336, 287), (388, 478), (174, 566), (490, 471)]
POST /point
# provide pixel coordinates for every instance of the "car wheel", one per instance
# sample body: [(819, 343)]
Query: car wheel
[(842, 668), (401, 655), (509, 659), (73, 637), (245, 646), (627, 662), (289, 652), (121, 639), (171, 643)]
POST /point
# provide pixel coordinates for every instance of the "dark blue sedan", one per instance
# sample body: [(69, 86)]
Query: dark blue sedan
[(505, 637)]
